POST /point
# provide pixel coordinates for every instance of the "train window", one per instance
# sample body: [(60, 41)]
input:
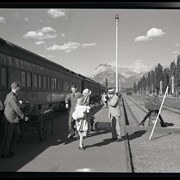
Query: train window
[(62, 84), (23, 79), (59, 84), (68, 86), (3, 77), (44, 83), (39, 81), (35, 80), (55, 83), (29, 79), (52, 83), (48, 82), (14, 75)]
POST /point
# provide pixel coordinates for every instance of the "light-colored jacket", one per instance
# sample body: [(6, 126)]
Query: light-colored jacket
[(12, 109), (114, 107), (80, 111)]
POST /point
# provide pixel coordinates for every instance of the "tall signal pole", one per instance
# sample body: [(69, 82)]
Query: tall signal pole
[(117, 22)]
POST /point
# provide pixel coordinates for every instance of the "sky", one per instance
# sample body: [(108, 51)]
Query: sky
[(81, 39)]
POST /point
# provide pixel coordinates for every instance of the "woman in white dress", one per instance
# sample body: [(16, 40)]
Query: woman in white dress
[(82, 117)]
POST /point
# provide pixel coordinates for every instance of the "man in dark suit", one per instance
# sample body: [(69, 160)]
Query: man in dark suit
[(13, 114), (71, 100)]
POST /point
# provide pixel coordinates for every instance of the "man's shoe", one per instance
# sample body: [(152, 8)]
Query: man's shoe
[(119, 140), (141, 123), (81, 148), (113, 139)]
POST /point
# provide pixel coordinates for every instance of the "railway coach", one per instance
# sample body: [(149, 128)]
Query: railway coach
[(43, 82)]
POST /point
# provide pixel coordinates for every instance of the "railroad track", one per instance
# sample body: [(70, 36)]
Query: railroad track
[(168, 108), (128, 111)]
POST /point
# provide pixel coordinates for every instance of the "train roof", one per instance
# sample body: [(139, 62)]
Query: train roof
[(21, 53)]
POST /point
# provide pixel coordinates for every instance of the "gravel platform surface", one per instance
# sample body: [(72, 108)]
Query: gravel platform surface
[(161, 154)]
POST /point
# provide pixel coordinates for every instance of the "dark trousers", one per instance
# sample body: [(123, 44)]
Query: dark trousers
[(149, 114), (71, 123), (10, 137)]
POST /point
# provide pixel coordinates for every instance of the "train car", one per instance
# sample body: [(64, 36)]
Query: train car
[(43, 82)]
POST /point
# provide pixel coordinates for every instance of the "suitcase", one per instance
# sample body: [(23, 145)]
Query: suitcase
[(102, 126)]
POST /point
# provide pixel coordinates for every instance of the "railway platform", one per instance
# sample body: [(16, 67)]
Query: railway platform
[(59, 154)]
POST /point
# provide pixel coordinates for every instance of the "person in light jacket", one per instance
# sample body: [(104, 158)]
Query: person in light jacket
[(115, 115)]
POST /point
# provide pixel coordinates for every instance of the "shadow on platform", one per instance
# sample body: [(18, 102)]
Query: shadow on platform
[(136, 134)]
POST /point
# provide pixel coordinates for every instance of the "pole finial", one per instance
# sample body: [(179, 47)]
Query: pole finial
[(117, 16)]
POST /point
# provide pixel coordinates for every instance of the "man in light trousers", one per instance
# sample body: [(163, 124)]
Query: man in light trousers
[(115, 115)]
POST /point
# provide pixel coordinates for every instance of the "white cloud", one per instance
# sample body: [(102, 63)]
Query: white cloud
[(47, 29), (41, 34), (62, 35), (40, 42), (56, 13), (142, 38), (2, 19), (152, 33), (177, 44), (67, 47), (88, 45), (33, 35)]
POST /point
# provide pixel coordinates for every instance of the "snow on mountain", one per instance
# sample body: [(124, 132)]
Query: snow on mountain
[(138, 67), (127, 71), (128, 74)]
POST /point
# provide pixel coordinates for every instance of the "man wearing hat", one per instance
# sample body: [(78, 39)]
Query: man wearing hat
[(114, 114)]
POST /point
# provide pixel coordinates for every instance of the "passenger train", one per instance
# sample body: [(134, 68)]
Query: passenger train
[(43, 82)]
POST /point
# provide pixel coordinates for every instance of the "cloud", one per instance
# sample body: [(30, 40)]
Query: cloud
[(56, 13), (40, 42), (2, 19), (67, 47), (47, 29), (152, 33), (62, 35), (41, 34), (142, 38), (177, 44), (88, 45)]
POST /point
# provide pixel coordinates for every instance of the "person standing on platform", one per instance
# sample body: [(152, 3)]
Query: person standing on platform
[(104, 99), (115, 115), (82, 116), (71, 100), (13, 114)]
